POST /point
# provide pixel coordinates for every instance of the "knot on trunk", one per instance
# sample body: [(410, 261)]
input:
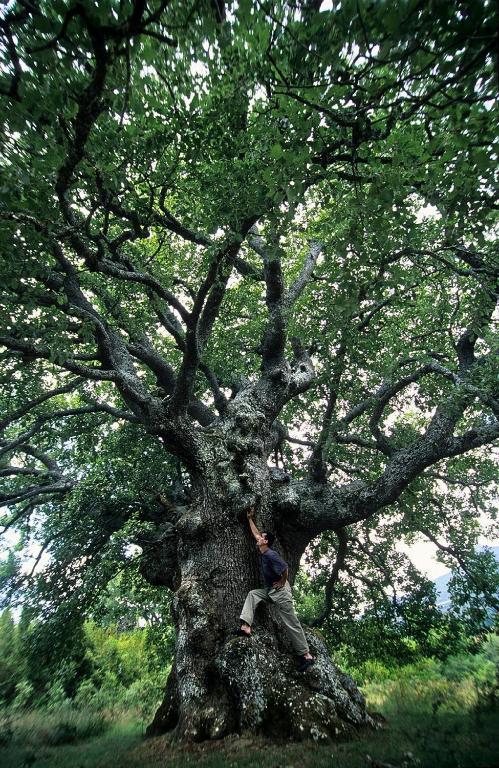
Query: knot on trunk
[(158, 563)]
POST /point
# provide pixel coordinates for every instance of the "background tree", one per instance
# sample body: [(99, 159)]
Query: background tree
[(224, 225)]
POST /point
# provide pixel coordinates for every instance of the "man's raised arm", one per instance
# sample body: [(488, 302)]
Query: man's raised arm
[(251, 520)]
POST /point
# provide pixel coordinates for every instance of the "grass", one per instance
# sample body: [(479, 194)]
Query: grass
[(448, 742), (26, 748), (432, 722)]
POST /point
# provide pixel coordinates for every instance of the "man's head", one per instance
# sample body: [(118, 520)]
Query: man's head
[(268, 538)]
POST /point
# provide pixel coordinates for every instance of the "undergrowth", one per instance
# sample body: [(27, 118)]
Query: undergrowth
[(443, 714)]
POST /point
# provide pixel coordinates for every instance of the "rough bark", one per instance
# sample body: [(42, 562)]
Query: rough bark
[(220, 684)]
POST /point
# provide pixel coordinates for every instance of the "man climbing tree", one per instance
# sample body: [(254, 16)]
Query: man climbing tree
[(277, 591), (230, 230)]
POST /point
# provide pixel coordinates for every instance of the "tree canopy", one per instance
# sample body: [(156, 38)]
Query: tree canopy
[(198, 198)]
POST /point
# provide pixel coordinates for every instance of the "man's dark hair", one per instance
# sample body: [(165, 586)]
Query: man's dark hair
[(270, 538)]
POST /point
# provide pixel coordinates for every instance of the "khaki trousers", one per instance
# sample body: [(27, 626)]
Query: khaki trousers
[(283, 601)]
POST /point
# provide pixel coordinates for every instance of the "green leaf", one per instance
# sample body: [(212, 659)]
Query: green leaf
[(276, 151)]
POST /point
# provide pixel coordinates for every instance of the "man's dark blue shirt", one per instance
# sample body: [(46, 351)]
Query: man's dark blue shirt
[(273, 566)]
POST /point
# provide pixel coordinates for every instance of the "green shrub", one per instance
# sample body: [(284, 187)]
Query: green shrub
[(421, 670), (479, 668), (109, 694), (23, 695), (145, 694), (56, 696), (86, 695), (372, 672), (490, 649), (123, 655)]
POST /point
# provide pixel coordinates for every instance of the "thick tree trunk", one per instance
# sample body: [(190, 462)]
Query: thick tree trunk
[(220, 684)]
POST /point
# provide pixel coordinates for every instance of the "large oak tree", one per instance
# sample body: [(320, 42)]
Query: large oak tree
[(233, 233)]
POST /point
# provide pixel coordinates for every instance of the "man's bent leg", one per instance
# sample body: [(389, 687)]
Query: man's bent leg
[(283, 599), (253, 598)]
